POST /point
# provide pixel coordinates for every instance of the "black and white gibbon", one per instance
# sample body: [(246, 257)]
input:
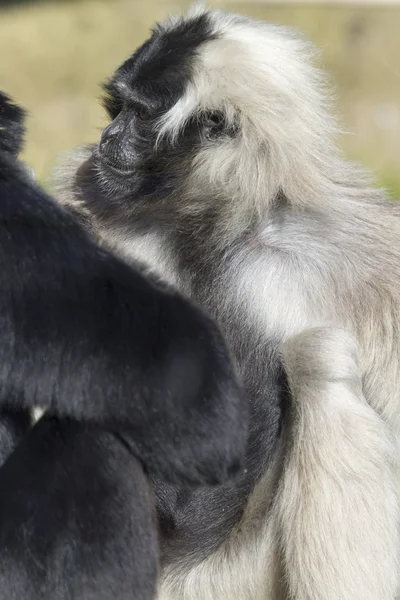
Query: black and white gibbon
[(220, 170)]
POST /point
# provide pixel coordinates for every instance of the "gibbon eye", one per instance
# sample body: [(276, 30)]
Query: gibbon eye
[(214, 120), (214, 123), (143, 114)]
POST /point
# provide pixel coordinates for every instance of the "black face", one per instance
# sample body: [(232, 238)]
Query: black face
[(145, 87)]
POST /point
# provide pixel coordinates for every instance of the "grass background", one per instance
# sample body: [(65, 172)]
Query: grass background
[(54, 55)]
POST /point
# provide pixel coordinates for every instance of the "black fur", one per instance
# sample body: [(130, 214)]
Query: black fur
[(91, 339), (11, 126), (141, 90), (76, 518), (155, 76), (86, 336), (14, 424)]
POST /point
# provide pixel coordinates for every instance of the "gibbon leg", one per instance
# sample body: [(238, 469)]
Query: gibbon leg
[(337, 505)]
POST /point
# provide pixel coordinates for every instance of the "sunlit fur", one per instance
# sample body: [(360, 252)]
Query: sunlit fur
[(297, 240)]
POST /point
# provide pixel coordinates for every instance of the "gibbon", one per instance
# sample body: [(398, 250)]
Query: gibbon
[(220, 171), (135, 380)]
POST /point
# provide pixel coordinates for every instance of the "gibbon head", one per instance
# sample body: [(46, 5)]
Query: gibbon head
[(214, 111)]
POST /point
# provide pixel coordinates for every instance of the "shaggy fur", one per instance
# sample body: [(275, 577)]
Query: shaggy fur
[(91, 339), (220, 170)]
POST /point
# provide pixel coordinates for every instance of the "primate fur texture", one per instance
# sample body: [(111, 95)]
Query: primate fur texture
[(219, 170), (135, 381)]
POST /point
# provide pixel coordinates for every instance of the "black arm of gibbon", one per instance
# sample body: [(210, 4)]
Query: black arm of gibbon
[(86, 336)]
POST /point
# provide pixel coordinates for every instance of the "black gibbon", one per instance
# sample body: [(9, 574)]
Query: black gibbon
[(135, 381)]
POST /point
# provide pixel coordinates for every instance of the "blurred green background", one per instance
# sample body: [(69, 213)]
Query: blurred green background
[(54, 55)]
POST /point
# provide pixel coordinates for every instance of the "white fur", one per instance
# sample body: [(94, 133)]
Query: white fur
[(337, 503), (332, 259), (335, 514)]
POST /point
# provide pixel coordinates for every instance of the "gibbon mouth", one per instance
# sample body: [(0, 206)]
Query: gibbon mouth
[(116, 167)]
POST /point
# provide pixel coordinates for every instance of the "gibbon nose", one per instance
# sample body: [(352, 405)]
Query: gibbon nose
[(107, 137)]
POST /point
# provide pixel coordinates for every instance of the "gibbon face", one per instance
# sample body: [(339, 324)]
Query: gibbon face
[(197, 107), (133, 157), (209, 113)]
